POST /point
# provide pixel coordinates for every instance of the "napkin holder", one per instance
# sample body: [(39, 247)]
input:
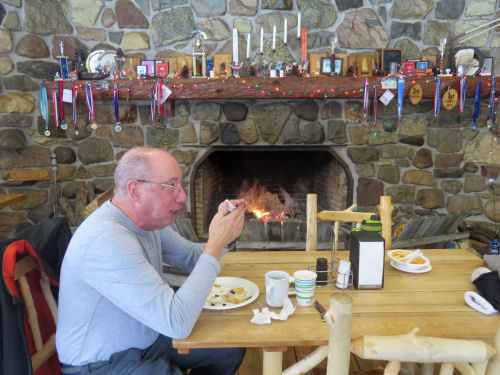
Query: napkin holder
[(367, 256)]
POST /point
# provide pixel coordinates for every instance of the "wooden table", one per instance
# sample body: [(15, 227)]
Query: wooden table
[(432, 301)]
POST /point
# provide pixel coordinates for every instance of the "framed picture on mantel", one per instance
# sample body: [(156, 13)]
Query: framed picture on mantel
[(390, 55)]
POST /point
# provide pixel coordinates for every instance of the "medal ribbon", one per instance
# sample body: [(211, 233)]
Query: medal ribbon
[(152, 107), (463, 90), (54, 106), (89, 98), (491, 103), (366, 100), (401, 92), (158, 97), (73, 107), (115, 101), (44, 106), (477, 105), (61, 103), (437, 97), (375, 102)]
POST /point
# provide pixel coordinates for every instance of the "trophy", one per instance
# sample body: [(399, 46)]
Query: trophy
[(199, 50), (63, 61)]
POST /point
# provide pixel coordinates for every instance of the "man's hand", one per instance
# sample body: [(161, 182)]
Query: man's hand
[(225, 227)]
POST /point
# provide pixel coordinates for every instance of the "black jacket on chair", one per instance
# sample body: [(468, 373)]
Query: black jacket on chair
[(49, 238)]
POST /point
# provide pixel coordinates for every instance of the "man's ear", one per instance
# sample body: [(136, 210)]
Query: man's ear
[(133, 189)]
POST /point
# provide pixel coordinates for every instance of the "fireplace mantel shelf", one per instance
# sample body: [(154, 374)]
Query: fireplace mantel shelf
[(269, 88)]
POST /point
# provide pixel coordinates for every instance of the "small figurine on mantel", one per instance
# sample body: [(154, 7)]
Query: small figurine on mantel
[(121, 67), (332, 55)]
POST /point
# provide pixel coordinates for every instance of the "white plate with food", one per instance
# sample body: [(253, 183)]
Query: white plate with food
[(231, 293), (418, 270), (400, 259)]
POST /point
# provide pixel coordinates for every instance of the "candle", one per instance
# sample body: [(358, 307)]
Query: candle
[(274, 37), (248, 45), (285, 27), (261, 40), (298, 26), (235, 46)]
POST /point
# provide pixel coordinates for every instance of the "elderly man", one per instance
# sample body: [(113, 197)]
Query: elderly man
[(116, 315)]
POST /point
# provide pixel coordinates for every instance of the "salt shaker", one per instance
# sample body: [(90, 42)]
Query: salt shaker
[(321, 270), (343, 273)]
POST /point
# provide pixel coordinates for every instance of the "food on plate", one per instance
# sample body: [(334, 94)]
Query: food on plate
[(220, 296), (400, 254), (418, 260)]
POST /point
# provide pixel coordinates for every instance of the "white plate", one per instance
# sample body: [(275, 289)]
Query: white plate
[(421, 270), (234, 282)]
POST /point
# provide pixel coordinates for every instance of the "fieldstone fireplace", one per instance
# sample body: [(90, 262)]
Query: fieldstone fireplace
[(274, 180)]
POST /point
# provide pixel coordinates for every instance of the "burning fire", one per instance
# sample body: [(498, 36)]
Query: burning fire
[(266, 205), (265, 216)]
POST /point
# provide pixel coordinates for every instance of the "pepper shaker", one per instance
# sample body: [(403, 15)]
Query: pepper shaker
[(321, 270)]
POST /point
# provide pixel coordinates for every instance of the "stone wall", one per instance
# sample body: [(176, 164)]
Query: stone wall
[(426, 166)]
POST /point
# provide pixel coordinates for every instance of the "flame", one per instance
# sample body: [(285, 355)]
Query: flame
[(266, 216), (261, 214)]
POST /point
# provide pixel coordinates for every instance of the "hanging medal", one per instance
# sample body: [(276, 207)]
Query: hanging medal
[(61, 106), (44, 109), (89, 98), (73, 108), (159, 97), (461, 102), (491, 102), (401, 92), (54, 107), (375, 103), (477, 106), (366, 102), (437, 97), (152, 108), (118, 128)]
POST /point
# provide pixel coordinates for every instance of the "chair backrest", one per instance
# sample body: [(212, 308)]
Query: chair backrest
[(347, 215), (29, 282)]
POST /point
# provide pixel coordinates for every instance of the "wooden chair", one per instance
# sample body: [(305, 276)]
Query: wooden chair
[(431, 231), (471, 357), (344, 216), (29, 283)]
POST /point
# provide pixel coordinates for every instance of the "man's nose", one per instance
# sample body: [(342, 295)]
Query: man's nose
[(182, 196)]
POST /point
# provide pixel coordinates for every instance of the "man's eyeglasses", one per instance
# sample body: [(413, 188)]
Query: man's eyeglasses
[(173, 188)]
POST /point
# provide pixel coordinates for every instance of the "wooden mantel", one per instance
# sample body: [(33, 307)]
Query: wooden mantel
[(269, 88)]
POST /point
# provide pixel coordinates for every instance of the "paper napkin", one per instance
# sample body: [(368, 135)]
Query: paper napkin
[(265, 316)]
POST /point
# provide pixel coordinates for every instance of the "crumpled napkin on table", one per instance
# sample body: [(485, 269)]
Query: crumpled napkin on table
[(265, 316)]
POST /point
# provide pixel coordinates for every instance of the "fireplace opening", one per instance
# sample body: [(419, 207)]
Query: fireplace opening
[(275, 182)]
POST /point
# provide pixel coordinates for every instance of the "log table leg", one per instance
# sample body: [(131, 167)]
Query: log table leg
[(272, 360)]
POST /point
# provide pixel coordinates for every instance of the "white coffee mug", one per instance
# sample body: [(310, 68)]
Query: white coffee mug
[(276, 288)]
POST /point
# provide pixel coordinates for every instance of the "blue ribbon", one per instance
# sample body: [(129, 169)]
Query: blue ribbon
[(401, 92), (115, 100), (44, 106), (477, 105), (463, 90), (437, 98), (491, 104)]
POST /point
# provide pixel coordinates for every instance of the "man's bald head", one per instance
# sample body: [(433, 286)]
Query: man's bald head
[(137, 164)]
